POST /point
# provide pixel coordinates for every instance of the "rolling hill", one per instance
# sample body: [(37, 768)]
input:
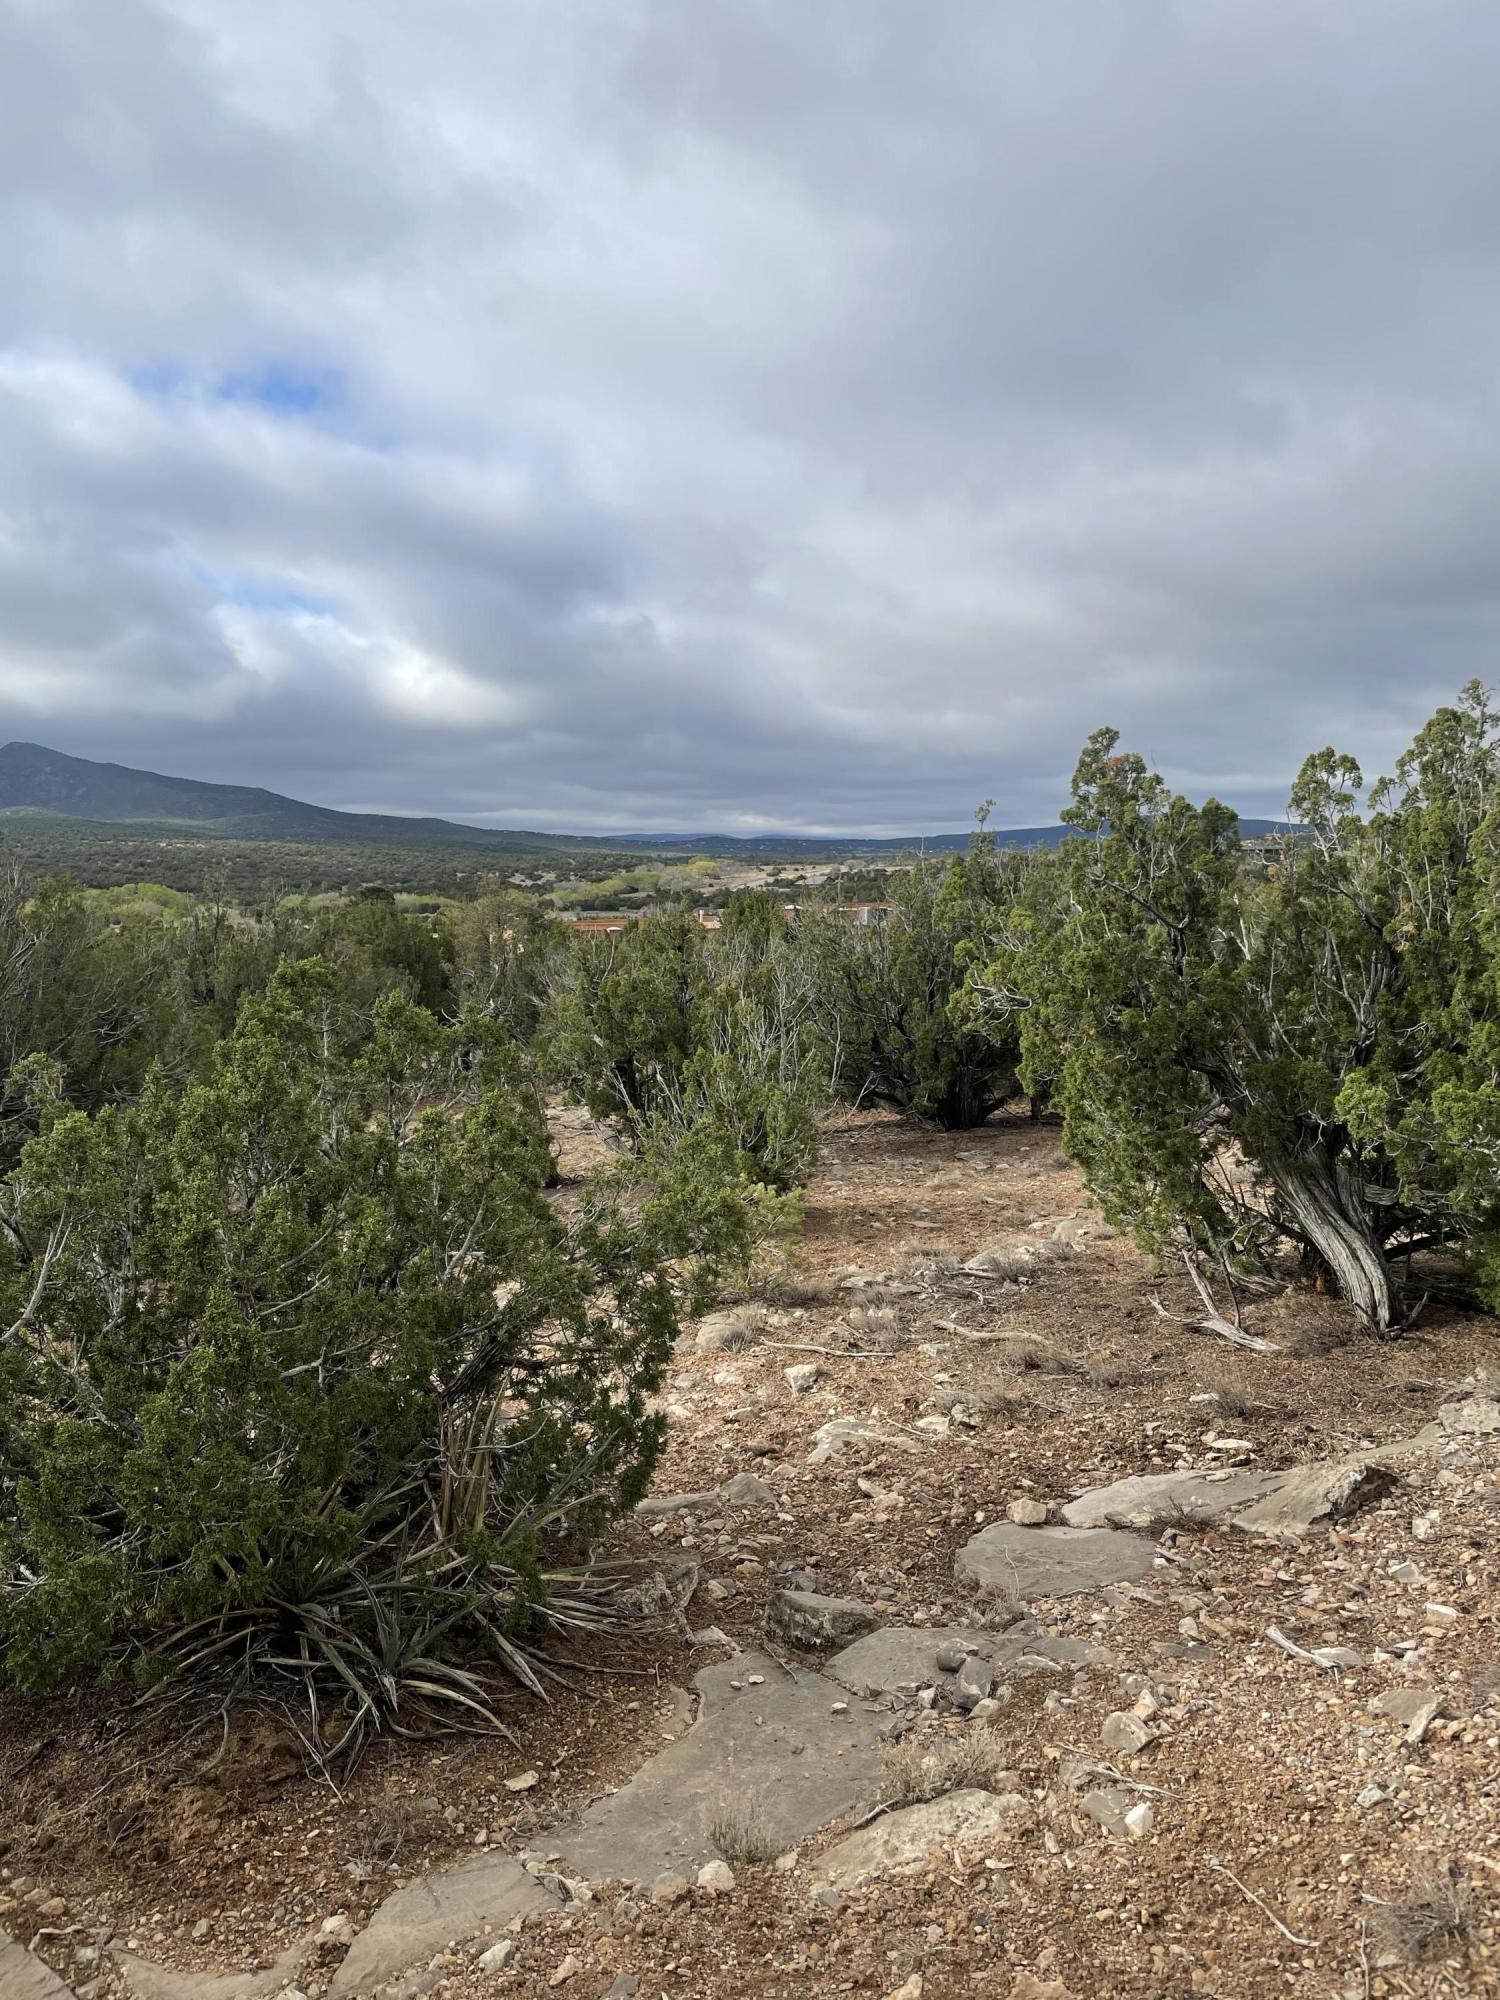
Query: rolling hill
[(49, 791)]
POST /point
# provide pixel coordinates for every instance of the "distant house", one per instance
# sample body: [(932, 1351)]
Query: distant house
[(602, 926)]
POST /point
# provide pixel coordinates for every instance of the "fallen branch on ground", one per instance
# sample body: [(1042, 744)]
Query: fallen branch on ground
[(1304, 1944)]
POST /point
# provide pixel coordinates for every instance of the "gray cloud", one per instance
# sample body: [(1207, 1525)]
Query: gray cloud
[(711, 412)]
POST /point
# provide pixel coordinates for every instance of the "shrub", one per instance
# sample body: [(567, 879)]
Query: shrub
[(303, 1370), (884, 997), (1332, 1019), (1433, 1915), (742, 1837), (923, 1767), (667, 1028)]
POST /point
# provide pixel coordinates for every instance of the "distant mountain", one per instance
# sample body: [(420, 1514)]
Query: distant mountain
[(36, 779), (45, 786)]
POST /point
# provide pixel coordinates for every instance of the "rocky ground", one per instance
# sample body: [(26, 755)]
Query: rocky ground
[(939, 1706)]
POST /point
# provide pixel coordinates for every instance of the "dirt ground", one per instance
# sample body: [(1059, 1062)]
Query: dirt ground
[(1294, 1834)]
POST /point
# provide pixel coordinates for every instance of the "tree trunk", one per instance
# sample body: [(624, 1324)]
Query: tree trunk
[(1322, 1204)]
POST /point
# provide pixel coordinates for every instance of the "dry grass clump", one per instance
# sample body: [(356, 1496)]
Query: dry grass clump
[(1232, 1401), (1434, 1915), (799, 1288), (741, 1837), (878, 1329), (917, 1768), (1105, 1373), (741, 1327), (984, 1398), (1042, 1358)]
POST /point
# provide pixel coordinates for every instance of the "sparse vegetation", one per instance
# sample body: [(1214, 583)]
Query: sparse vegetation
[(742, 1837), (1432, 1916), (925, 1765)]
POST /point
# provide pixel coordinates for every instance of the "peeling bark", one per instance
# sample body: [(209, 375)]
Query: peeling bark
[(1321, 1201)]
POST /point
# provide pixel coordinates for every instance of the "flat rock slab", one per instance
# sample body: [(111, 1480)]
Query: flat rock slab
[(1473, 1416), (23, 1976), (899, 1659), (809, 1620), (436, 1911), (900, 1843), (1323, 1491), (149, 1981), (1027, 1563), (902, 1658), (775, 1753), (1026, 1648), (1158, 1499)]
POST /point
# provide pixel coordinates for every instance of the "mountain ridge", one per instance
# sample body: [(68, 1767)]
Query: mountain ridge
[(37, 780)]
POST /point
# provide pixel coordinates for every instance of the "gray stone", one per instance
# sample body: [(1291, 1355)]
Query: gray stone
[(497, 1957), (1027, 1513), (900, 1658), (802, 1376), (813, 1623), (1026, 1647), (1025, 1563), (625, 1987), (1124, 1734), (1326, 1490), (435, 1911), (674, 1503), (973, 1682), (829, 1439), (900, 1842), (774, 1752), (1109, 1807), (1473, 1416), (1158, 1499), (23, 1976), (800, 1579), (747, 1489), (951, 1657), (149, 1981)]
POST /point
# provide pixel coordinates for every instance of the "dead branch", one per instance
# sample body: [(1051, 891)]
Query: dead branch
[(1215, 1321)]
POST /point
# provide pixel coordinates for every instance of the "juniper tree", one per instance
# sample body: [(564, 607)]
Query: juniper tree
[(302, 1361), (884, 993), (668, 1026), (1325, 1020)]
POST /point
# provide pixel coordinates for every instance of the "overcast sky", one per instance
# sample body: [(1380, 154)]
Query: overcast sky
[(732, 413)]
